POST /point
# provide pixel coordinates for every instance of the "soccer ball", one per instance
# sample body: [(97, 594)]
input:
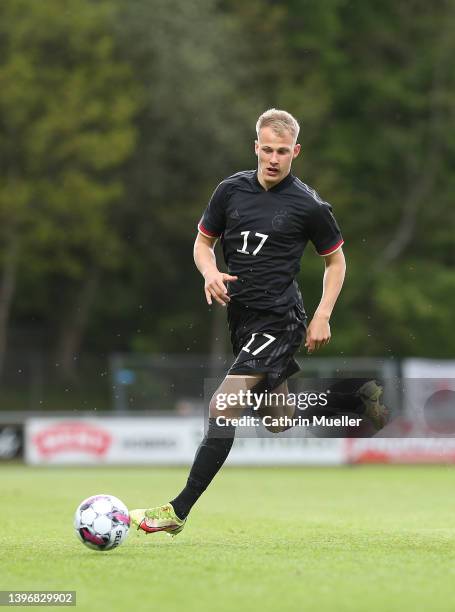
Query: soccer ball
[(102, 522)]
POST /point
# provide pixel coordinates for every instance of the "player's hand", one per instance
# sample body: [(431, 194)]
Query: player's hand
[(318, 333), (215, 287)]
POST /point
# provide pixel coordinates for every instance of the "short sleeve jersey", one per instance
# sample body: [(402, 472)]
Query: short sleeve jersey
[(264, 234)]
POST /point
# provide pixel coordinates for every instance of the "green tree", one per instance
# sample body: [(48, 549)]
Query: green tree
[(66, 122), (371, 83), (373, 86), (196, 126)]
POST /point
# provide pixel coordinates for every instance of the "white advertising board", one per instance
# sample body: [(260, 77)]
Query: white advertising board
[(400, 450), (159, 441), (422, 379)]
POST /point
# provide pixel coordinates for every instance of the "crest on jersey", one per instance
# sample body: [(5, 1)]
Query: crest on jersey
[(280, 221)]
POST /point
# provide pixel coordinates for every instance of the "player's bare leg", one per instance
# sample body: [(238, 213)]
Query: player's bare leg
[(277, 407), (233, 385)]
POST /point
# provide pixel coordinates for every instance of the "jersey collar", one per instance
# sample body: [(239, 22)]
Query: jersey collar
[(288, 179)]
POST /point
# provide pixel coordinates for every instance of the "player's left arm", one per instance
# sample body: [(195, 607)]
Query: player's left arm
[(318, 332)]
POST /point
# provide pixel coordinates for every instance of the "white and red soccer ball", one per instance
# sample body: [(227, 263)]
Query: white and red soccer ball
[(102, 522)]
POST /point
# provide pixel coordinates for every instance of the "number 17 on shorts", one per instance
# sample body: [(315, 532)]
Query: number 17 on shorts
[(254, 346)]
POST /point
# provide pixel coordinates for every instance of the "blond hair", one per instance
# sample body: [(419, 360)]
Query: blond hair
[(280, 121)]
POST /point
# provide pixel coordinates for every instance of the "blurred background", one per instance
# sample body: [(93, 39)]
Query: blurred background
[(118, 119)]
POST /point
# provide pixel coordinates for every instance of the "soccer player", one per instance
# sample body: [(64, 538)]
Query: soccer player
[(264, 218)]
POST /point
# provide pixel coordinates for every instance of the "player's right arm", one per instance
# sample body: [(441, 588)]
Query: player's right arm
[(214, 280)]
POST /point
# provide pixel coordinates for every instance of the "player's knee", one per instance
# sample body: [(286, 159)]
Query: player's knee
[(274, 428), (281, 419), (279, 427), (218, 408)]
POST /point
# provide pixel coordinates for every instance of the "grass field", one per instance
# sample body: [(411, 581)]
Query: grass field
[(367, 539)]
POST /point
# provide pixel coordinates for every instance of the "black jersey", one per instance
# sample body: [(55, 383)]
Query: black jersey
[(264, 233)]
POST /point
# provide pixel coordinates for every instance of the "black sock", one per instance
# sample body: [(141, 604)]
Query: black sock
[(209, 458)]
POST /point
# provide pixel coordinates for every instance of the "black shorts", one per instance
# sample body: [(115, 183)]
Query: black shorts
[(266, 342)]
